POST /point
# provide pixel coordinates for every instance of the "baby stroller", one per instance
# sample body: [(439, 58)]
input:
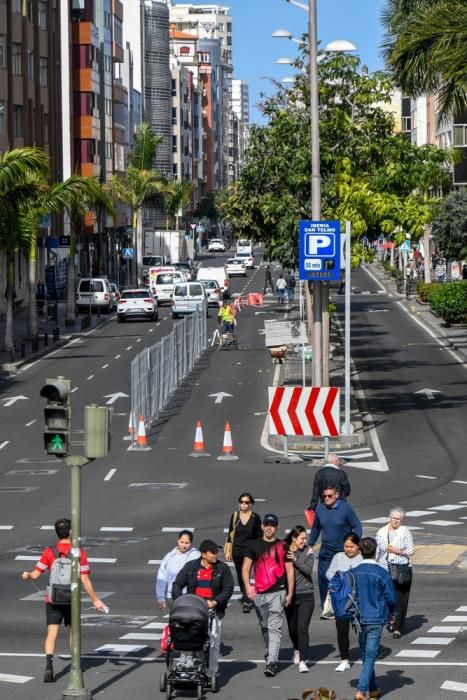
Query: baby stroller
[(187, 655)]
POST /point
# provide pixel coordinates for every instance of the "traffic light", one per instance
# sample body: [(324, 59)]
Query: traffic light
[(57, 416), (96, 431)]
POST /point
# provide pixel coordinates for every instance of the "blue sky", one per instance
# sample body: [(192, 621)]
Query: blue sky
[(255, 51)]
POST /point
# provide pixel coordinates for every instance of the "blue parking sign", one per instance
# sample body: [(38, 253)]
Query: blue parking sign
[(319, 250)]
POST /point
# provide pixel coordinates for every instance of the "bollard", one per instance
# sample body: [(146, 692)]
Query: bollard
[(12, 354), (55, 313), (35, 344), (56, 333), (23, 350), (46, 340)]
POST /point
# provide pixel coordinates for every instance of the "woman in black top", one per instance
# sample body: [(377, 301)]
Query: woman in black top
[(244, 525)]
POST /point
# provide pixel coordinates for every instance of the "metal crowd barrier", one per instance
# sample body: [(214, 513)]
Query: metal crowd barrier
[(158, 370)]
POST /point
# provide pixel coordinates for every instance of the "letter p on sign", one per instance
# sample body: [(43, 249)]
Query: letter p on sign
[(319, 245)]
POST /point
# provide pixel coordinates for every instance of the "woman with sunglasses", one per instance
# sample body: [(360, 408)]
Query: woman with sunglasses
[(244, 525)]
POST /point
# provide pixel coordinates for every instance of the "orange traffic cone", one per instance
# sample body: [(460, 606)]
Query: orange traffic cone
[(227, 448), (141, 444), (198, 445), (131, 428)]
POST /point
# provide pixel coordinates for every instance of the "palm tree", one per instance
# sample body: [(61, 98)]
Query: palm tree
[(137, 188), (90, 195), (177, 197), (44, 199), (426, 48), (17, 167)]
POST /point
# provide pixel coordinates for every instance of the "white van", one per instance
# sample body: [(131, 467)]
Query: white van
[(101, 295), (164, 283), (218, 274), (244, 246)]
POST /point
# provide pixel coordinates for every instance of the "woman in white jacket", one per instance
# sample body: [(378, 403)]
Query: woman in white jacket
[(171, 564)]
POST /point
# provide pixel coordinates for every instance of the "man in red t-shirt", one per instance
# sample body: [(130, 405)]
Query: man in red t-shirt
[(56, 613)]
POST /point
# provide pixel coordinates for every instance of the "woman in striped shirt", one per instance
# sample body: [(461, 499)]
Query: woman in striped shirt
[(395, 546)]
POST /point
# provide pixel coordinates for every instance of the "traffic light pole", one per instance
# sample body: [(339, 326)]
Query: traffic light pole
[(76, 687)]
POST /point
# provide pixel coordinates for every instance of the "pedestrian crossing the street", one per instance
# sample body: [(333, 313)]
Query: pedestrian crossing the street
[(421, 519)]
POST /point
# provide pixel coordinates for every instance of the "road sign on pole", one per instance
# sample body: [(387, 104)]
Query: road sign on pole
[(319, 250), (405, 247), (304, 411), (127, 253)]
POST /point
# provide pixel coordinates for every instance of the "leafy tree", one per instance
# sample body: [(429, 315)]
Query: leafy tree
[(144, 149), (449, 226), (425, 47), (17, 167)]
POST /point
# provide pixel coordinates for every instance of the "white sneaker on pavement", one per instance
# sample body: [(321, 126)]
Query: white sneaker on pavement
[(343, 666), (296, 657), (302, 667)]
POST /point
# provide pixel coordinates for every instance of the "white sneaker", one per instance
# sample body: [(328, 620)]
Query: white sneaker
[(302, 667), (296, 657), (343, 666)]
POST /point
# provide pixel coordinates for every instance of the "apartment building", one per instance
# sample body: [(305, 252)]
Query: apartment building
[(240, 120)]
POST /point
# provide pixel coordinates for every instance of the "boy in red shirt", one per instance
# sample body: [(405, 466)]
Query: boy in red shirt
[(56, 613)]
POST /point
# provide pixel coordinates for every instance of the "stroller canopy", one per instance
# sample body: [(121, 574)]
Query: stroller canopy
[(189, 608)]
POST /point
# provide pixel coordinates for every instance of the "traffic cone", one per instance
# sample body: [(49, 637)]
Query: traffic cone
[(141, 444), (198, 445), (227, 448), (131, 428)]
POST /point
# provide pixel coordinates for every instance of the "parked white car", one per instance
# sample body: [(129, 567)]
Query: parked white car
[(137, 303), (187, 297), (235, 267), (216, 245)]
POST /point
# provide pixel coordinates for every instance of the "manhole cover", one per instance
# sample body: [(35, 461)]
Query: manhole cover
[(153, 486), (17, 489), (102, 541), (32, 472)]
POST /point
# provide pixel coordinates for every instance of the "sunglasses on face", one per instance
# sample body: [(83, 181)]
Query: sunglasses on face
[(329, 495), (247, 503)]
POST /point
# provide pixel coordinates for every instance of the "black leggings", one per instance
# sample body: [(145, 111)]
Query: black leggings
[(343, 630), (403, 594), (298, 615), (238, 561)]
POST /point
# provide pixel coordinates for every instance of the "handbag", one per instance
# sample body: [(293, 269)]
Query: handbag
[(327, 607), (400, 573), (228, 544), (309, 516)]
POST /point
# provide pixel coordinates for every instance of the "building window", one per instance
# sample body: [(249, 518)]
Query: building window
[(46, 128), (17, 121), (2, 117), (175, 169), (118, 31), (108, 107), (174, 87), (174, 144), (30, 10), (43, 64), (174, 115), (16, 6), (16, 59), (85, 150), (30, 64), (2, 51), (43, 15), (460, 135)]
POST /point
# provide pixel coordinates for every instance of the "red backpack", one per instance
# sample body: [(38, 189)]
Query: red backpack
[(270, 567)]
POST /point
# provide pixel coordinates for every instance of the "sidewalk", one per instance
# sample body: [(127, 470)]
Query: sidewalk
[(51, 335), (454, 337)]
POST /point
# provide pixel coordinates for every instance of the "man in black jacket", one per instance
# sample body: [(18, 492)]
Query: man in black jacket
[(331, 475), (211, 580)]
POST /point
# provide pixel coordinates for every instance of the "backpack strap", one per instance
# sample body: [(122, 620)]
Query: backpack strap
[(56, 553)]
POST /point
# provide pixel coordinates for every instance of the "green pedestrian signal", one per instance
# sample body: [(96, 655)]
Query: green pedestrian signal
[(57, 417), (57, 443)]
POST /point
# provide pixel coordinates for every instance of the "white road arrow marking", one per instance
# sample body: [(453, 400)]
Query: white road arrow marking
[(14, 399), (113, 397), (220, 396), (429, 393)]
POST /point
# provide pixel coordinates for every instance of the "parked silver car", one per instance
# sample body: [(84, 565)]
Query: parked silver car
[(187, 297), (96, 293)]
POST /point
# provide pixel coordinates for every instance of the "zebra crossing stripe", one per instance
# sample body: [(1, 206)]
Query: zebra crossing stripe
[(453, 685), (10, 678), (142, 636), (122, 648)]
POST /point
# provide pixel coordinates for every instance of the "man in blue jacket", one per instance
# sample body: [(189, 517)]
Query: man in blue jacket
[(377, 601), (334, 519)]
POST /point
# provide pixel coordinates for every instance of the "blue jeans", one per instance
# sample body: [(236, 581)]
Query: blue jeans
[(281, 295), (369, 648)]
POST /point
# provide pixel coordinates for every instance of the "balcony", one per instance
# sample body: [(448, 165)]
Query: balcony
[(85, 33)]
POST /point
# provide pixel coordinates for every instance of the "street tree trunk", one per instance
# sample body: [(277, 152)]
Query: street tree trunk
[(71, 281), (33, 323), (9, 341), (138, 232)]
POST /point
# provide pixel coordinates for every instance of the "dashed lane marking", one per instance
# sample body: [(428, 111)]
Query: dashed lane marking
[(75, 389), (10, 678), (105, 366), (453, 685), (47, 527), (154, 562), (177, 529), (31, 422), (138, 340), (458, 481), (109, 474), (6, 527), (4, 444), (91, 376), (423, 476), (117, 357), (116, 529), (129, 347)]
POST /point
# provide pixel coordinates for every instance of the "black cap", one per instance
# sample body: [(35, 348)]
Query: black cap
[(208, 546), (270, 519)]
